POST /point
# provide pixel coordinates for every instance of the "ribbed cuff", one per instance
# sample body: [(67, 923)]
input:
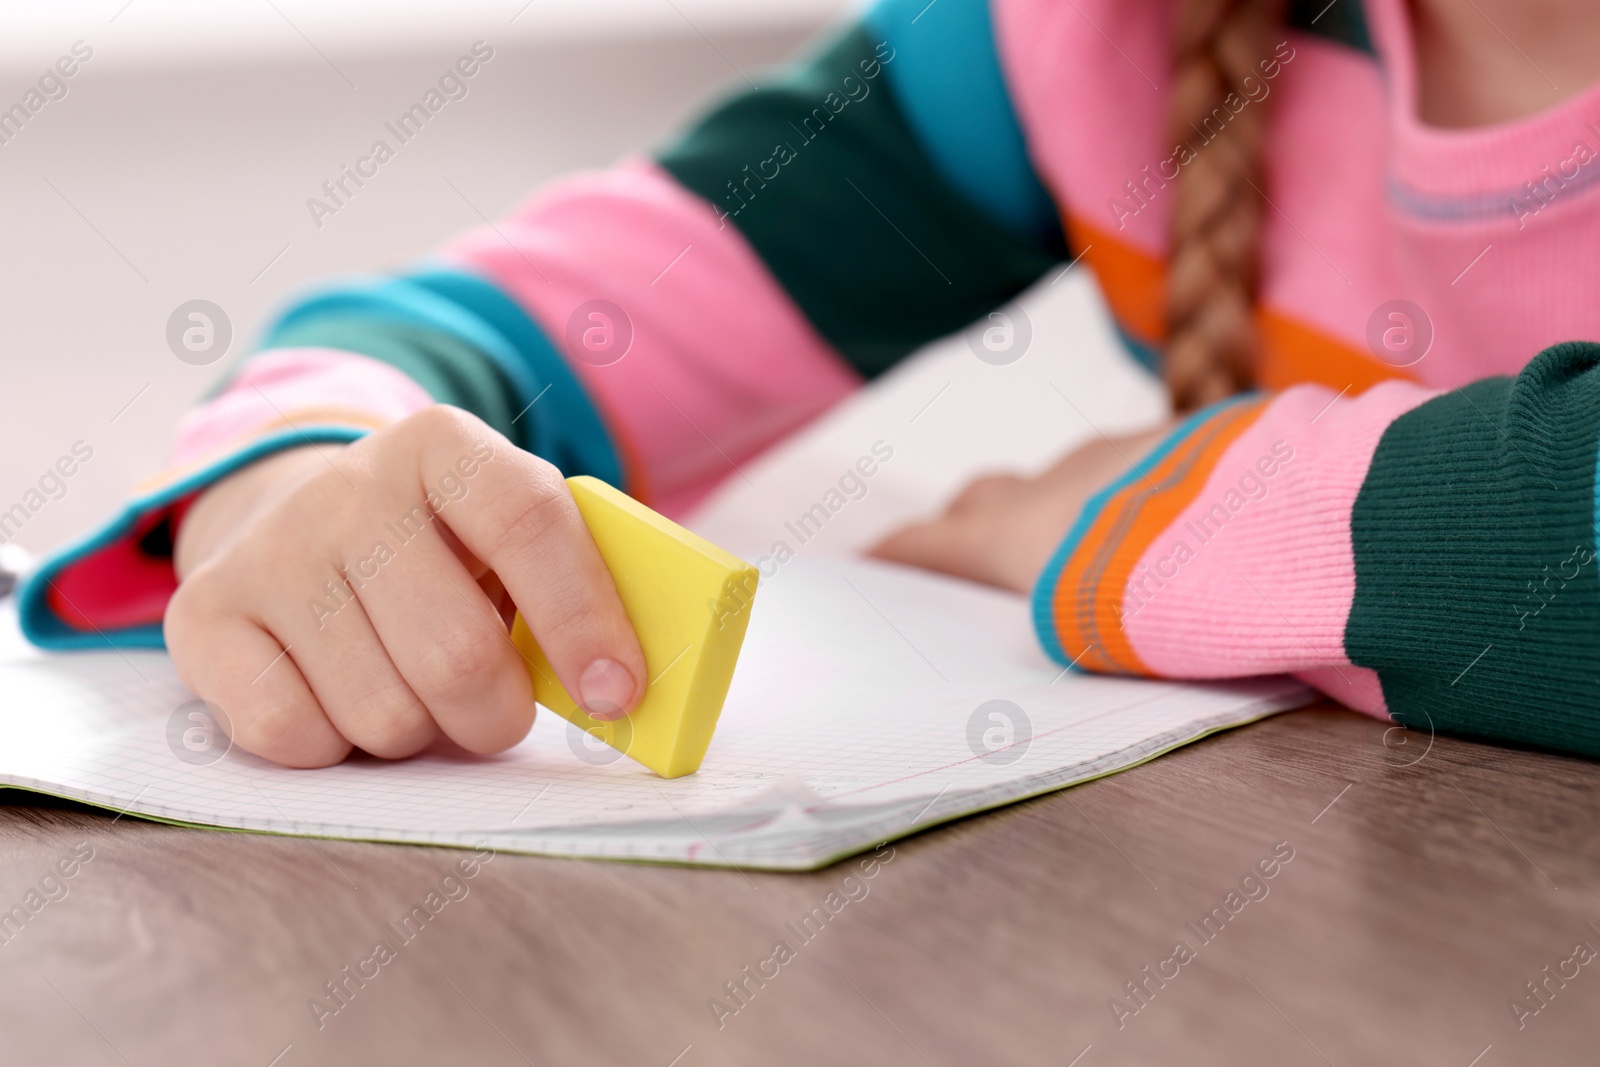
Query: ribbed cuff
[(111, 588), (1078, 601)]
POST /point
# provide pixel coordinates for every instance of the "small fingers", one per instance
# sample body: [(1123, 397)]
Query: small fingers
[(352, 676), (451, 645), (520, 520), (942, 545), (234, 663)]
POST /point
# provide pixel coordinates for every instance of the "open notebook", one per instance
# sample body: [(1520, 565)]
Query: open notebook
[(870, 701)]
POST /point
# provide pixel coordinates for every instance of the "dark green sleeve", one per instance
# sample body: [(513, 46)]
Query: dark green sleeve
[(1477, 597), (837, 192)]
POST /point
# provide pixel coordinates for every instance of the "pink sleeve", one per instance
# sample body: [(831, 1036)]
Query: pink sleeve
[(702, 360), (1228, 552)]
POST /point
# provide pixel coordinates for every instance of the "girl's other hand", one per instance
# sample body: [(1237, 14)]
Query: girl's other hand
[(339, 596), (1002, 529)]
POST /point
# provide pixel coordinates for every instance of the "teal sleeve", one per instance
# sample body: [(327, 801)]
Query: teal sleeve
[(469, 344)]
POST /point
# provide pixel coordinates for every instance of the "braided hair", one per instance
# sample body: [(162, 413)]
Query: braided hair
[(1218, 207)]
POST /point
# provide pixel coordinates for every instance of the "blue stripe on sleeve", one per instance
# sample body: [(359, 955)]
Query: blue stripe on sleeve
[(565, 428), (945, 76), (1042, 600), (44, 628)]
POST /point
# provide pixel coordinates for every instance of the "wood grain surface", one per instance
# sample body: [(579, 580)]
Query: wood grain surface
[(1428, 883)]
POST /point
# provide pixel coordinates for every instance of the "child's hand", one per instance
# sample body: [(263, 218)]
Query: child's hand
[(1002, 529), (323, 604)]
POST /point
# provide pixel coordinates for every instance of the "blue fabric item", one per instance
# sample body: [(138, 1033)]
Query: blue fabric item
[(567, 430), (1044, 623), (42, 627), (945, 76)]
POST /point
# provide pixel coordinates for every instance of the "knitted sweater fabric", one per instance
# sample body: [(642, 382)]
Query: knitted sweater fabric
[(1403, 515)]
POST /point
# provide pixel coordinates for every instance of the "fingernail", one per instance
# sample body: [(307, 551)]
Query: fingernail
[(605, 689)]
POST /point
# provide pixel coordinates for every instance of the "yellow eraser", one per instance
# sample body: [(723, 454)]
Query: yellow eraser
[(689, 602)]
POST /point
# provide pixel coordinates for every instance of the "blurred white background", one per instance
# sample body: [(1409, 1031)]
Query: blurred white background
[(178, 164)]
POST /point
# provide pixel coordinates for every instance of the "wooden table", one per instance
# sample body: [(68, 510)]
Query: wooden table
[(1427, 885)]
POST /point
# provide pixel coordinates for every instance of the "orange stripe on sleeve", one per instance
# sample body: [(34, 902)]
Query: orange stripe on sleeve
[(1086, 605)]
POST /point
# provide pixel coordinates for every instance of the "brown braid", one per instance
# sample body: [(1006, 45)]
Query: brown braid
[(1217, 215)]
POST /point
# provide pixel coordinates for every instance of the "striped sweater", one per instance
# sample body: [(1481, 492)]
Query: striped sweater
[(1404, 515)]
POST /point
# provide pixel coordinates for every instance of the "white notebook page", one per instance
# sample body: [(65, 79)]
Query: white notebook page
[(862, 710)]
